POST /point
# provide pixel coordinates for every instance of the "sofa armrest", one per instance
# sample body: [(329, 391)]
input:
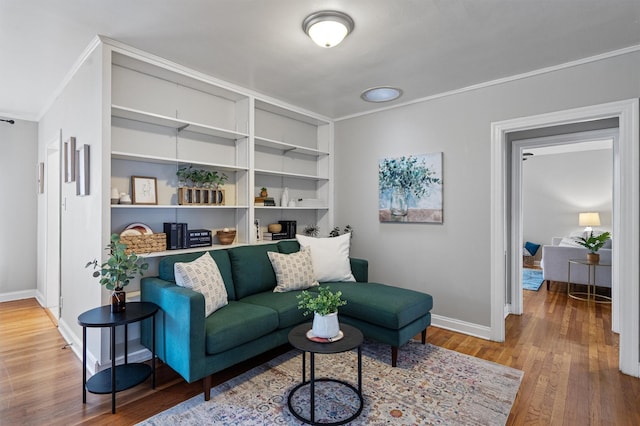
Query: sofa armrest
[(360, 269), (180, 326)]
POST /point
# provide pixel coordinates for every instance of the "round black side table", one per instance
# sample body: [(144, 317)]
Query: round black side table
[(352, 339), (124, 376)]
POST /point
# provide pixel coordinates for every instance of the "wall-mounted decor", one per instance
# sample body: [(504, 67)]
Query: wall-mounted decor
[(41, 177), (410, 189), (82, 170), (144, 190), (70, 159)]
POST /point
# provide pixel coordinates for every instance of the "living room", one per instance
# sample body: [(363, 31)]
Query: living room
[(452, 261)]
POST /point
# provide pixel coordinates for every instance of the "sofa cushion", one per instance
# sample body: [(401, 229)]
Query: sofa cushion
[(380, 304), (202, 275), (330, 257), (237, 323), (294, 271), (221, 257), (288, 246), (285, 304), (251, 269)]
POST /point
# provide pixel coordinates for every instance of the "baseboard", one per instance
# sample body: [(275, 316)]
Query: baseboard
[(19, 295), (75, 344), (463, 327)]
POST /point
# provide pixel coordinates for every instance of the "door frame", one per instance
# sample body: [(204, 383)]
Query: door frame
[(626, 245), (52, 234)]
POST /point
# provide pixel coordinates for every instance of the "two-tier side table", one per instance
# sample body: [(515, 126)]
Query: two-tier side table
[(123, 376)]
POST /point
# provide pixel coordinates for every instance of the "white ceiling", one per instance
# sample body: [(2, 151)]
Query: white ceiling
[(425, 47)]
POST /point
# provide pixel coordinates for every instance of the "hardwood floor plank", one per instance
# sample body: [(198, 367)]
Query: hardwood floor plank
[(564, 346)]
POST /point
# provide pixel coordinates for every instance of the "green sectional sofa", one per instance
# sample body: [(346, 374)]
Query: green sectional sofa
[(256, 319)]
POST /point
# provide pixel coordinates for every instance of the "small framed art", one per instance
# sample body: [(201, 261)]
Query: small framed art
[(144, 190)]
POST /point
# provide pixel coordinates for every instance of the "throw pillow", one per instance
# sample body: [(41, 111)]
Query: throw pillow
[(202, 275), (531, 247), (330, 257), (293, 271), (569, 242)]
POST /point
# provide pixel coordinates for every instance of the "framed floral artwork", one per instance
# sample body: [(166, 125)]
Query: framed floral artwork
[(410, 188)]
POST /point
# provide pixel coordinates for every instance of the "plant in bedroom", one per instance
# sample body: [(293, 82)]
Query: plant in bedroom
[(118, 271), (324, 306), (593, 244)]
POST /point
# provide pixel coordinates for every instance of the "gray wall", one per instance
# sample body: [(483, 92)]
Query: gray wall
[(557, 187), (452, 261), (18, 198)]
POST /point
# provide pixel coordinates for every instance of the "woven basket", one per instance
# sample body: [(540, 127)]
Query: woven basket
[(226, 237), (141, 244), (527, 260)]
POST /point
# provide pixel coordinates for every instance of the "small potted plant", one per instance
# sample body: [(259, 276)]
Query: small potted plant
[(593, 244), (263, 192), (325, 306), (118, 271)]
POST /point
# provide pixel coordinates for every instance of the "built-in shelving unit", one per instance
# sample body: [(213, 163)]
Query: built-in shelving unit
[(164, 118)]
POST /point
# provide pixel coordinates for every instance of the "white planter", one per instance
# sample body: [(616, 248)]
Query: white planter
[(325, 325)]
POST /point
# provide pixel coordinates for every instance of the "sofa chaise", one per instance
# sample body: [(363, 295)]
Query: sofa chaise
[(257, 319)]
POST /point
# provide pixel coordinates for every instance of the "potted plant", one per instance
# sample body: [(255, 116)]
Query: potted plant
[(183, 174), (325, 306), (593, 244), (118, 271), (403, 177), (263, 192)]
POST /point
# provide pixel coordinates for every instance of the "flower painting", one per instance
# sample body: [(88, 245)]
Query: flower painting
[(410, 188)]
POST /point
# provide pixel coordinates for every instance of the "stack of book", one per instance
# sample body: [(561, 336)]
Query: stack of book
[(264, 201), (180, 237), (273, 236)]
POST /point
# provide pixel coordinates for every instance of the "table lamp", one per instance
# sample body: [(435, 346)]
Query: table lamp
[(588, 220)]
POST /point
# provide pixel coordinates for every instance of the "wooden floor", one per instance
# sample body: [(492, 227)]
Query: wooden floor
[(569, 357)]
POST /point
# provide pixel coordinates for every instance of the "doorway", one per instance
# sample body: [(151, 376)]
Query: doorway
[(52, 235), (505, 252), (588, 188)]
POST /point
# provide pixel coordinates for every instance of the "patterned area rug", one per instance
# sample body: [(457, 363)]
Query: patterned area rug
[(431, 385), (531, 279)]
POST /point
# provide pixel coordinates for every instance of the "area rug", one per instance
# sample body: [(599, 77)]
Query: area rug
[(431, 385), (531, 279)]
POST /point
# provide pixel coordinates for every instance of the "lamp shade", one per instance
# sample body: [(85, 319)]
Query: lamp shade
[(589, 219), (327, 28)]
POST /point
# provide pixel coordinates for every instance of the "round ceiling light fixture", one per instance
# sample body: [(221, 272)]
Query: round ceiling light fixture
[(327, 28), (381, 94)]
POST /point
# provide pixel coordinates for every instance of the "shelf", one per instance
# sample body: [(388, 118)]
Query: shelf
[(120, 155), (285, 174), (289, 208), (173, 206), (127, 376), (286, 147), (190, 250), (174, 123)]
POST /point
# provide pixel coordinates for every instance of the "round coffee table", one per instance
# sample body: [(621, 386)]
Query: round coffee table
[(352, 339)]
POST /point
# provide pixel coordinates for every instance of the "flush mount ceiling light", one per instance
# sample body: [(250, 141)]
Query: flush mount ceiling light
[(381, 94), (327, 28)]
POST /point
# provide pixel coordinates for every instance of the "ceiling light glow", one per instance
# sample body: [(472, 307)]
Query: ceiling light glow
[(381, 94), (327, 28)]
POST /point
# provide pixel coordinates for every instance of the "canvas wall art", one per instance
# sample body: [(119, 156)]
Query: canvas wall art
[(410, 188)]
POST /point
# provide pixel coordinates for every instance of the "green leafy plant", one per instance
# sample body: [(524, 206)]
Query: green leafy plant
[(407, 173), (593, 244), (324, 302), (121, 268)]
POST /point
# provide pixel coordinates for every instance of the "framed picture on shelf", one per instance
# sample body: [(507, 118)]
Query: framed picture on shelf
[(144, 190)]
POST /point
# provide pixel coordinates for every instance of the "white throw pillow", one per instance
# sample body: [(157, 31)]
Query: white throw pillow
[(293, 271), (569, 242), (202, 275), (330, 257)]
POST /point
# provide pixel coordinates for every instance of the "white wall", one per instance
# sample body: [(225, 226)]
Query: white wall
[(18, 198), (78, 112), (557, 187), (452, 261)]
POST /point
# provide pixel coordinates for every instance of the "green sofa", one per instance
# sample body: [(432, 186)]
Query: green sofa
[(256, 319)]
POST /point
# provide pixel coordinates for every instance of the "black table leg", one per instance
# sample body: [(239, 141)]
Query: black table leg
[(84, 365), (153, 353), (113, 369), (312, 390), (360, 369)]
